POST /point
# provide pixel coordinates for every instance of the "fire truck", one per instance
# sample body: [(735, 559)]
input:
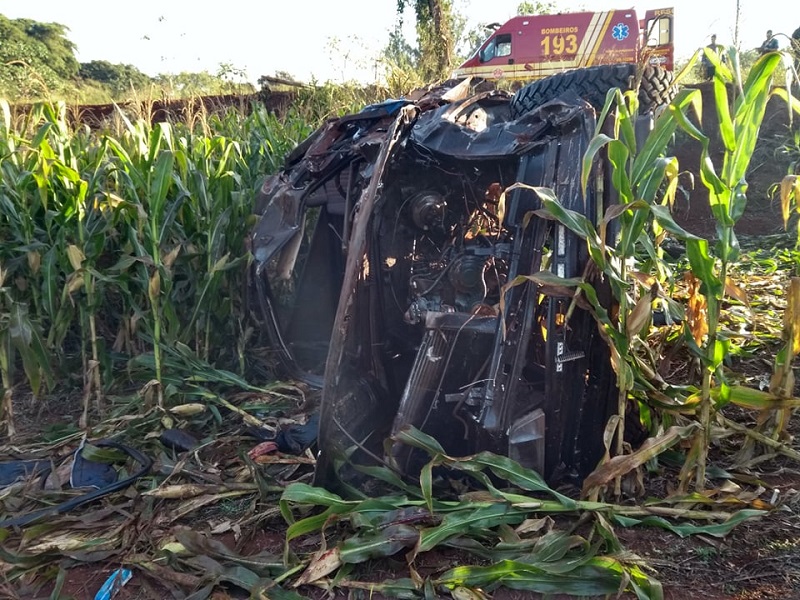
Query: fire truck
[(535, 46), (607, 46)]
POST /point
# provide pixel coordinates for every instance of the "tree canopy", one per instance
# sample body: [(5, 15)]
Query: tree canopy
[(120, 78), (35, 55), (536, 8), (436, 35), (37, 60)]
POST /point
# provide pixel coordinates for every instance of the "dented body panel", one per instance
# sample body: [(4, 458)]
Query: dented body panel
[(384, 254)]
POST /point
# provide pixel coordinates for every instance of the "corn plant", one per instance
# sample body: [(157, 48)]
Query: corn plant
[(504, 527), (644, 179), (47, 198), (789, 187), (77, 184), (119, 245), (19, 335), (739, 122), (321, 102)]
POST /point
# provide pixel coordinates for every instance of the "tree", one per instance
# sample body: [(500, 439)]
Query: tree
[(60, 50), (25, 65), (472, 39), (186, 84), (435, 34), (536, 8), (118, 78), (399, 53)]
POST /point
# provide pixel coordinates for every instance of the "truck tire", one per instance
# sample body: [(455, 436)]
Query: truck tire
[(592, 84)]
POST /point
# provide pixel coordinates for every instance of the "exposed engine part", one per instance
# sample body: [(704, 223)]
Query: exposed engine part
[(453, 349), (428, 210), (466, 274), (459, 286), (421, 306)]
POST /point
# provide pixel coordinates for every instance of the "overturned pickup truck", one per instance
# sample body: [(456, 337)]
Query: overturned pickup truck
[(384, 255)]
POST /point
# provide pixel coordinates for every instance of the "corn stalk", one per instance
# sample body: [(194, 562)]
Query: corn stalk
[(739, 123), (19, 337), (122, 245), (645, 180)]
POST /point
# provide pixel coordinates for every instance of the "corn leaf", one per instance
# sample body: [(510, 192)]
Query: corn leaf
[(687, 529)]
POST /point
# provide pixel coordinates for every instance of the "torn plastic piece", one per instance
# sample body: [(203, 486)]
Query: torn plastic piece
[(296, 438), (113, 584), (177, 439), (145, 463)]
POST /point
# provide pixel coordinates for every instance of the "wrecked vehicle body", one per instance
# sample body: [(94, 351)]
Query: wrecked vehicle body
[(384, 255)]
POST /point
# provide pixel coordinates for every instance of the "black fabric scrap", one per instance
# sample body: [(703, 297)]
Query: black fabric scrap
[(293, 439)]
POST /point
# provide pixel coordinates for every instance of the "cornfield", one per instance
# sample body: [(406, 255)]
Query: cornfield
[(123, 266), (123, 251)]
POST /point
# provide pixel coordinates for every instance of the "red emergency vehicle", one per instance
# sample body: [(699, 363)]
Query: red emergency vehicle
[(535, 46)]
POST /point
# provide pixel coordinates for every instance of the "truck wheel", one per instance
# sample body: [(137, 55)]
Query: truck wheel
[(592, 84)]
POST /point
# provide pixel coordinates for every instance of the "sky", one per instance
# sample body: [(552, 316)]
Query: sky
[(326, 40)]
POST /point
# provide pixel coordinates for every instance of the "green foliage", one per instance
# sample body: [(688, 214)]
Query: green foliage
[(645, 179), (119, 78), (401, 62), (316, 103), (536, 8), (192, 85), (406, 67), (506, 526), (746, 60), (789, 150), (34, 57), (37, 61), (60, 50), (117, 245), (739, 119), (398, 52), (436, 37)]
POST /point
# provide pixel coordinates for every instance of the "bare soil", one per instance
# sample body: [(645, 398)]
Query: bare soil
[(758, 560)]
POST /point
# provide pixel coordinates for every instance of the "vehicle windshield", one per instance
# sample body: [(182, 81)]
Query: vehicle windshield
[(659, 31), (498, 46), (477, 43)]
